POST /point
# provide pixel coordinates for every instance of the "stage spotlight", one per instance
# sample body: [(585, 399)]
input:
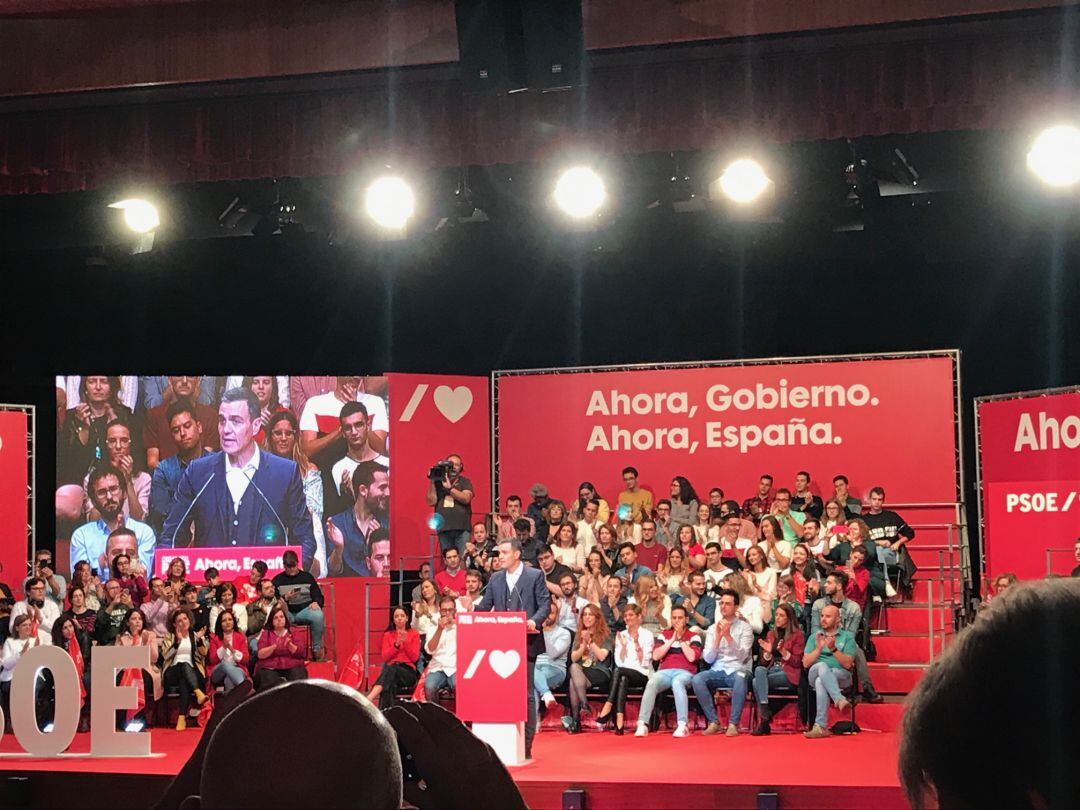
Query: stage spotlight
[(580, 192), (140, 216), (390, 203), (744, 181), (1055, 156)]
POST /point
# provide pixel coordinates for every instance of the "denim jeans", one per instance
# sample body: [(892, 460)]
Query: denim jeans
[(454, 539), (548, 678), (674, 679), (227, 674), (766, 680), (313, 618), (705, 683), (827, 683), (434, 681)]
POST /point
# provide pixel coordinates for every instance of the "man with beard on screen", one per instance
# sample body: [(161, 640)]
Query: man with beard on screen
[(348, 531), (241, 496)]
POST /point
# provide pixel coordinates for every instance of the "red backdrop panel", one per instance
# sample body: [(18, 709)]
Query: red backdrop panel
[(431, 416), (1030, 469), (13, 544), (887, 422)]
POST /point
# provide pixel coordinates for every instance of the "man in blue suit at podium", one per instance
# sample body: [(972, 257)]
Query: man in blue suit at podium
[(241, 496), (520, 588)]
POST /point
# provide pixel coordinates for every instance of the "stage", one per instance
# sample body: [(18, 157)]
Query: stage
[(658, 771)]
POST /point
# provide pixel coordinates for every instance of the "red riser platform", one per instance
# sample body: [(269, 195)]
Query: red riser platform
[(891, 680), (905, 649), (930, 590), (914, 618)]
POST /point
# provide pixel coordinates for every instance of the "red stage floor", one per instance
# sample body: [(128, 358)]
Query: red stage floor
[(620, 772)]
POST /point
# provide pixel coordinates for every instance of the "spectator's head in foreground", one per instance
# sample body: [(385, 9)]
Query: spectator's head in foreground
[(1021, 655)]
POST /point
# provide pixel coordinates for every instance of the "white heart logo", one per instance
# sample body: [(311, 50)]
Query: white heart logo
[(453, 403), (504, 662)]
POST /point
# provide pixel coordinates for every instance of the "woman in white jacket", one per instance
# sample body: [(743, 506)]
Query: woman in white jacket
[(633, 666)]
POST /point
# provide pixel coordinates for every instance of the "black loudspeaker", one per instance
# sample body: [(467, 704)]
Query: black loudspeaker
[(510, 45)]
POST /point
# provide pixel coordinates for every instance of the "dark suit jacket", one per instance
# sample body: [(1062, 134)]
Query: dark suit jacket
[(531, 596), (279, 480)]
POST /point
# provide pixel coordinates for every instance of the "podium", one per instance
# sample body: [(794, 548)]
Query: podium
[(491, 688)]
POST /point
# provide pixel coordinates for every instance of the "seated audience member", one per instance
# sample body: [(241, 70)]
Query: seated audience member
[(258, 611), (803, 500), (200, 615), (705, 530), (748, 529), (588, 528), (425, 612), (654, 603), (693, 551), (750, 607), (160, 434), (715, 571), (733, 546), (68, 635), (110, 619), (777, 549), (832, 530), (279, 653), (106, 487), (568, 552), (302, 388), (138, 481), (284, 443), (633, 666), (226, 600), (607, 544), (550, 669), (247, 585), (88, 581), (505, 523), (759, 575), (1002, 583), (760, 502), (480, 548), (23, 637), (424, 573), (728, 652), (858, 587), (674, 572), (613, 604), (129, 581), (474, 585), (785, 595), (187, 435), (629, 568), (587, 492), (828, 657), (535, 511), (269, 393), (348, 532), (677, 650), (790, 520), (650, 553), (665, 526), (700, 607), (451, 580), (42, 610), (304, 599), (321, 436), (848, 502), (442, 649), (684, 501), (400, 650), (779, 663), (7, 602), (590, 664), (183, 664), (890, 533), (857, 532), (552, 571), (627, 531), (176, 577), (850, 619), (554, 517), (229, 655), (1026, 637), (79, 612), (55, 584), (593, 583), (158, 607), (207, 594), (638, 500), (81, 441), (530, 546), (568, 603), (806, 576), (135, 633)]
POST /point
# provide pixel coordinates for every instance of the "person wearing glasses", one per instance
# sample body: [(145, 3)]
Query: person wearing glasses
[(107, 486), (637, 503), (118, 448), (442, 647)]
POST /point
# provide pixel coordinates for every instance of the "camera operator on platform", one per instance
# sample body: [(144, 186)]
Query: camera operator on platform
[(450, 493)]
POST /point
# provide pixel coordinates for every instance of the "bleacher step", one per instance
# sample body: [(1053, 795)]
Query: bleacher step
[(892, 679), (910, 648)]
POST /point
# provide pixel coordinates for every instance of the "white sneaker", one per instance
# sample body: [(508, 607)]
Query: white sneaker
[(549, 699), (681, 731), (642, 730)]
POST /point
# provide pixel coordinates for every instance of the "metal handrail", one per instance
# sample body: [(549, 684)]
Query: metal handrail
[(1050, 552), (367, 624)]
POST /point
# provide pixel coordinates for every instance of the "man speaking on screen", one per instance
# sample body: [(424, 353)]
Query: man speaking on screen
[(240, 496)]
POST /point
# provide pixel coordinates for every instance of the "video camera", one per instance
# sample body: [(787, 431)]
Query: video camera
[(441, 470)]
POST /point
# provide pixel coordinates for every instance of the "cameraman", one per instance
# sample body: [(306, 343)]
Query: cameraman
[(451, 496)]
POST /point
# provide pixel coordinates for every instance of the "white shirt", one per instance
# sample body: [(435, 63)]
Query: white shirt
[(626, 653), (586, 534), (12, 652), (349, 464), (328, 405), (183, 651), (237, 381), (714, 578), (238, 478), (50, 612), (239, 612), (444, 656), (569, 610), (512, 577), (729, 656)]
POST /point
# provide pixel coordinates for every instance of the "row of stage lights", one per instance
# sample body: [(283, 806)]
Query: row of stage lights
[(580, 192)]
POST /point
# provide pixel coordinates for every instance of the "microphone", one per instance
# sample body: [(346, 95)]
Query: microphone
[(267, 501), (191, 506)]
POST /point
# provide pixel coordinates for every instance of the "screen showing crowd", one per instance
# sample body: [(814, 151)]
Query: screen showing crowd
[(152, 464)]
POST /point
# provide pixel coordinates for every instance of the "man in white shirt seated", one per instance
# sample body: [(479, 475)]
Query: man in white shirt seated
[(728, 652), (442, 647), (41, 610), (715, 570), (474, 584), (570, 604)]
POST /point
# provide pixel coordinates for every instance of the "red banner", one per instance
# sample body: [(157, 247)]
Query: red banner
[(432, 416), (1030, 470), (230, 562), (887, 422), (490, 680), (13, 514)]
